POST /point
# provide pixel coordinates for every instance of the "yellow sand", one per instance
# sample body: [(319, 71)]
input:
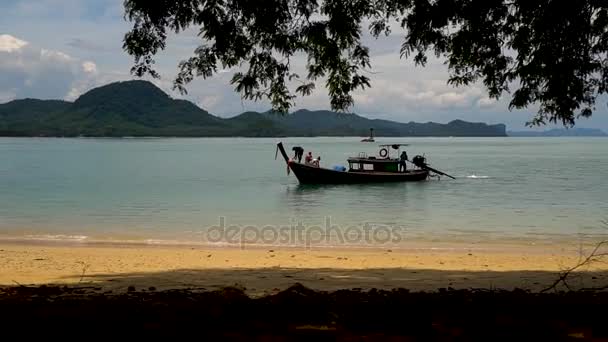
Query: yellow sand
[(259, 271)]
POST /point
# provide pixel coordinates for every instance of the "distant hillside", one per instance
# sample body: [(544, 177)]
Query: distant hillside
[(139, 108), (29, 116), (325, 123), (561, 132)]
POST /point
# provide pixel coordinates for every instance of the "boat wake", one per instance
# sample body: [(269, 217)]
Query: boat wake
[(49, 237), (477, 177)]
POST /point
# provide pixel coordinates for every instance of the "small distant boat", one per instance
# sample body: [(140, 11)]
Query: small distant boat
[(362, 169), (371, 136)]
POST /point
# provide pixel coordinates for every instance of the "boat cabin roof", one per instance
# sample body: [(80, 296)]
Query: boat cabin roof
[(395, 146), (385, 155), (372, 160)]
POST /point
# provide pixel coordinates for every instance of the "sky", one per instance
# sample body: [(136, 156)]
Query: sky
[(59, 49)]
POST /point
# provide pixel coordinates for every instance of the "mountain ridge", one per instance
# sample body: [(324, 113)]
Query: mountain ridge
[(139, 108)]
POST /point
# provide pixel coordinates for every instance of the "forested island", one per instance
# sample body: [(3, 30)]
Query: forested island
[(139, 108)]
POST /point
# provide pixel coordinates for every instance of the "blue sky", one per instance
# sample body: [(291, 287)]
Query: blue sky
[(61, 48)]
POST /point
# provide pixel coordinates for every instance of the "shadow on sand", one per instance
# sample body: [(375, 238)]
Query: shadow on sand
[(200, 305), (262, 281)]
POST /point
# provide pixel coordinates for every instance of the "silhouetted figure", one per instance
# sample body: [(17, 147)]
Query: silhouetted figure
[(402, 162), (298, 153)]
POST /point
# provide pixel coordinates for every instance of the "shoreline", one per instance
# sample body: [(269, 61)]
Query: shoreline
[(263, 270), (455, 242)]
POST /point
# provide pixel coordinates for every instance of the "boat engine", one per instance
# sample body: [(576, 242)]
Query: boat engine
[(419, 161)]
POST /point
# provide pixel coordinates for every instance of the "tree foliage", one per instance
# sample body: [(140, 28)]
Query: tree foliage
[(552, 53)]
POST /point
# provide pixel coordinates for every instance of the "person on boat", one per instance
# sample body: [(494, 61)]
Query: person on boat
[(298, 153), (308, 158), (402, 162), (317, 161)]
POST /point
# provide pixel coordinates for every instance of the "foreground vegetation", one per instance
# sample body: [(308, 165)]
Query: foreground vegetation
[(299, 312)]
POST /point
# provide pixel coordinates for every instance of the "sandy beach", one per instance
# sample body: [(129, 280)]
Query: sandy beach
[(266, 270)]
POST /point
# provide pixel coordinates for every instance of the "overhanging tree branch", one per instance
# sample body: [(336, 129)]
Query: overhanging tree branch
[(551, 52)]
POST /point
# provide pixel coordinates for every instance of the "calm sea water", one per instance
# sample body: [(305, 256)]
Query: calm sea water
[(174, 190)]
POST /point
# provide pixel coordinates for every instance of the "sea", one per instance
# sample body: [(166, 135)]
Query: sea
[(233, 192)]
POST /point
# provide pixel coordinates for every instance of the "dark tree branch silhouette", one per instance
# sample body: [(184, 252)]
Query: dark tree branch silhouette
[(552, 53), (594, 256), (598, 254)]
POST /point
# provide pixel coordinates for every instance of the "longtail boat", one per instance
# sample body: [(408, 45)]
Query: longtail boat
[(371, 136), (362, 169)]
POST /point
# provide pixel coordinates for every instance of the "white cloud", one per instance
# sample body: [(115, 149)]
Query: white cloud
[(364, 99), (209, 102), (7, 95), (55, 56), (486, 102), (30, 71), (89, 67), (9, 43)]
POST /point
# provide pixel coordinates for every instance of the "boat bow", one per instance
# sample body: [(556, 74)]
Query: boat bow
[(283, 153)]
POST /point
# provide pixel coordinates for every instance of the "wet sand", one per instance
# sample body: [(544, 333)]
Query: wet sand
[(267, 270)]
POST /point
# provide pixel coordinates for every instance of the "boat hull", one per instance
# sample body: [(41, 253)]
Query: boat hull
[(308, 174)]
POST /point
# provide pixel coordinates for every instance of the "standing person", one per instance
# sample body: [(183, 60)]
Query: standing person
[(298, 153), (308, 158), (402, 162)]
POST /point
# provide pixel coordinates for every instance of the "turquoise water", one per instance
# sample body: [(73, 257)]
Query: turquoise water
[(174, 190)]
